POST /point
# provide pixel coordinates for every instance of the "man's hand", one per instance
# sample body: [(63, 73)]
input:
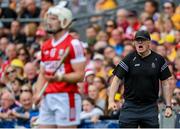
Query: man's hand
[(112, 106), (36, 99), (95, 119), (168, 112), (57, 77)]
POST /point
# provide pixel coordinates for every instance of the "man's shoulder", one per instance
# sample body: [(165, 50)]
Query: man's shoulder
[(131, 55), (155, 54)]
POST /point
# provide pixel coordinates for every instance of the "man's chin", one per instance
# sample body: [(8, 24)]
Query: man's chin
[(50, 31), (53, 31)]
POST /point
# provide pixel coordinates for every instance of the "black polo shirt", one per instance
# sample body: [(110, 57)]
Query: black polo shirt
[(141, 76)]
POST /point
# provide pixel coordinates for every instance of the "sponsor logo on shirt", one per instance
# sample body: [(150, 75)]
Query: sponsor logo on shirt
[(136, 65), (153, 65)]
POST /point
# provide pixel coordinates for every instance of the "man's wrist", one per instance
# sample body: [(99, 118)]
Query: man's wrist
[(111, 100), (60, 77)]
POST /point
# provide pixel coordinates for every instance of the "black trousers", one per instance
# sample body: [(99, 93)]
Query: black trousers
[(134, 115)]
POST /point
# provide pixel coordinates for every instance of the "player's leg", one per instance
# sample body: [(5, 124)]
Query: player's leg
[(65, 116), (46, 117)]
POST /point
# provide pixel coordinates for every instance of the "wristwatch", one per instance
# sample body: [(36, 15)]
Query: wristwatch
[(168, 106)]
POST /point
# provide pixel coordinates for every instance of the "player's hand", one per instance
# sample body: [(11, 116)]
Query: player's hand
[(57, 77), (50, 78), (36, 99), (168, 112), (112, 106)]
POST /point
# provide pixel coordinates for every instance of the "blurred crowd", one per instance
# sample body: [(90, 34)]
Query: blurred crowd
[(20, 55)]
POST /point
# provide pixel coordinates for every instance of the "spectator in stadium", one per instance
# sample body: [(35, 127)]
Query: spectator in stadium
[(90, 111), (133, 21), (175, 18), (169, 8), (7, 104), (3, 45), (11, 54), (23, 54), (168, 28), (149, 25), (15, 35), (98, 60), (30, 72), (102, 36), (89, 62), (128, 48), (61, 84), (89, 76), (25, 113), (45, 5), (176, 94), (117, 40), (91, 35), (7, 13), (151, 7), (18, 66), (101, 85), (30, 33), (9, 76), (110, 26), (161, 50), (30, 10), (143, 17), (174, 102), (169, 43), (109, 53), (141, 96), (74, 33), (16, 87), (121, 21), (93, 93)]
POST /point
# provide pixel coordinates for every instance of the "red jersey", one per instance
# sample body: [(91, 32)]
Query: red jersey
[(52, 52)]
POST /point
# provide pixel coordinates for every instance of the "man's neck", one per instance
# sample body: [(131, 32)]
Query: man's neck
[(144, 54), (59, 34)]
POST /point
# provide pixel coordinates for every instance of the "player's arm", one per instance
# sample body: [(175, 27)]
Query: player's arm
[(77, 62), (39, 84), (77, 75)]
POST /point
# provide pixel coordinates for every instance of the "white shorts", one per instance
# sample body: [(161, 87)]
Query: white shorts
[(55, 110)]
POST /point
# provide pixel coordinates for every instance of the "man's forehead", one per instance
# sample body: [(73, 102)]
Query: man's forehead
[(52, 15)]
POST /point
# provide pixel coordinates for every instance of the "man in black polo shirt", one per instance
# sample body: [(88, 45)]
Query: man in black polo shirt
[(140, 72)]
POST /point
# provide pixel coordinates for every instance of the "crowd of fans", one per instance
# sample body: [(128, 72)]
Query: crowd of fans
[(20, 55)]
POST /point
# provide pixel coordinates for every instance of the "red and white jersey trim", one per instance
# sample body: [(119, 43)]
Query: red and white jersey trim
[(79, 52), (55, 43)]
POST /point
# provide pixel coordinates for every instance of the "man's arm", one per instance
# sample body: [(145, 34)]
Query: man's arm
[(39, 85), (167, 92), (77, 75), (113, 89)]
